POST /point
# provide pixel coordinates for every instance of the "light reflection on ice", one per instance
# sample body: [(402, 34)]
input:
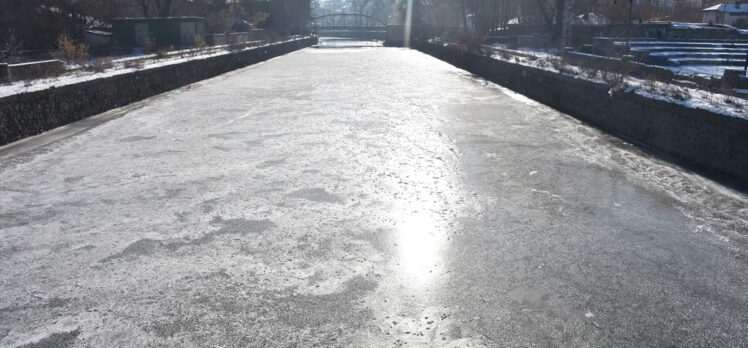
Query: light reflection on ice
[(419, 245), (336, 42)]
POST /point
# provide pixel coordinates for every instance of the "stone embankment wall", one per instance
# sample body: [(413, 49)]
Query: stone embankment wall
[(32, 113), (29, 71), (709, 140)]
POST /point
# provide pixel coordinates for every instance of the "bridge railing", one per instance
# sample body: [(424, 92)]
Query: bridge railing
[(346, 21)]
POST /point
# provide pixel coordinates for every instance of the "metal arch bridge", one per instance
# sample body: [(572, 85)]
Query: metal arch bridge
[(346, 21)]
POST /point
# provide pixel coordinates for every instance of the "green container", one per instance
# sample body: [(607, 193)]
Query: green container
[(158, 32)]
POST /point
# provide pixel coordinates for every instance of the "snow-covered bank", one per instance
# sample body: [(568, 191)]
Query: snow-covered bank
[(27, 114), (122, 66), (689, 97)]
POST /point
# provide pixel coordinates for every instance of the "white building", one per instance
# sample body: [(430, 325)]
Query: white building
[(735, 14)]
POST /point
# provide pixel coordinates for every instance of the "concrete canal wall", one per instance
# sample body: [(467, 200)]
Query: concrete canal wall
[(32, 113), (709, 140)]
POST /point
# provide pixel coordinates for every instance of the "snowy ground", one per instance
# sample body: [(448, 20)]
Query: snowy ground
[(701, 70), (535, 52)]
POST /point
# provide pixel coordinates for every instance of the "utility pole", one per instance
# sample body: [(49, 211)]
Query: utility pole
[(628, 34), (464, 15)]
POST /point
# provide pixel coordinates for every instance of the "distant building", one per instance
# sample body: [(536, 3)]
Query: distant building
[(735, 14), (158, 31)]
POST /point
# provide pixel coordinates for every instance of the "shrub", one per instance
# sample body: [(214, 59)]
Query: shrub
[(472, 40), (200, 42), (149, 45), (272, 36), (162, 53), (710, 97), (650, 78), (100, 65), (649, 84), (235, 48), (565, 69), (134, 64), (676, 92), (589, 73), (456, 49), (557, 64), (70, 51), (733, 101), (560, 65), (13, 49), (616, 83), (258, 18)]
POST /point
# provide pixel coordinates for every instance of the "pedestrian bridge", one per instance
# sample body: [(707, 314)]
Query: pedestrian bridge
[(346, 21)]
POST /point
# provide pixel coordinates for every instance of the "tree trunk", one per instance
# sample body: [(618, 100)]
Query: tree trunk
[(464, 15), (560, 11), (167, 8), (144, 4)]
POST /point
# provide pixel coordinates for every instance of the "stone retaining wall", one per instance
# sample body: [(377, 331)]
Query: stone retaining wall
[(4, 75), (715, 142), (28, 114), (35, 70), (618, 66), (216, 39)]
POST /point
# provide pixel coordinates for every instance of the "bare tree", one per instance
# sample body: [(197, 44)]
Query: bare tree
[(160, 8)]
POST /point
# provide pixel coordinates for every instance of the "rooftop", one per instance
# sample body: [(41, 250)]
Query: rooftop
[(732, 8)]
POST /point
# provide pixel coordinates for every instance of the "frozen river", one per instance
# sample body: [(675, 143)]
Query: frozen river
[(361, 197)]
